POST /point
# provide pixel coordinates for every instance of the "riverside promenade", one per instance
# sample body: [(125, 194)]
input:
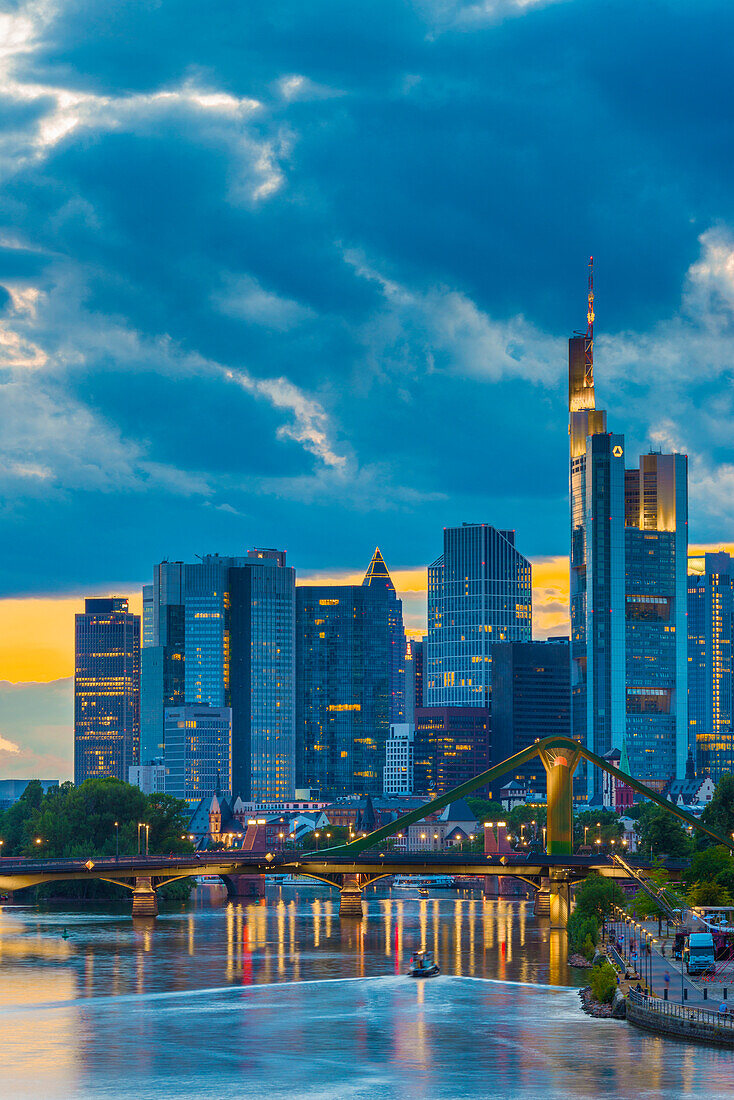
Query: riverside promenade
[(690, 1010)]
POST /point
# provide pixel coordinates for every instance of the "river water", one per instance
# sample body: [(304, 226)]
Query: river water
[(279, 998)]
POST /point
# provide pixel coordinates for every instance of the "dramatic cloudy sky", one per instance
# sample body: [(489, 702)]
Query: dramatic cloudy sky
[(299, 273)]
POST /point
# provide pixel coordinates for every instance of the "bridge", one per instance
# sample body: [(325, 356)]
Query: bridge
[(353, 866)]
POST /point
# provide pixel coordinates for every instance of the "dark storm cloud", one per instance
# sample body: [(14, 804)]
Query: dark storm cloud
[(300, 274)]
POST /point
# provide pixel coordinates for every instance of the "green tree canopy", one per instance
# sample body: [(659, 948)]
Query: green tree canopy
[(71, 821), (719, 814), (596, 824), (709, 893), (597, 896), (662, 834), (484, 810)]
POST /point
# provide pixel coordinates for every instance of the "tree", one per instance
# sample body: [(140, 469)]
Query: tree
[(662, 834), (719, 814), (603, 983), (603, 825), (524, 815), (713, 864), (71, 821), (642, 905), (597, 897), (709, 893), (339, 835), (485, 810)]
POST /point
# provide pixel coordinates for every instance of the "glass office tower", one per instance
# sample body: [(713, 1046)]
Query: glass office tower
[(710, 611), (629, 544), (350, 681), (530, 699), (479, 593), (106, 690), (198, 751), (224, 637)]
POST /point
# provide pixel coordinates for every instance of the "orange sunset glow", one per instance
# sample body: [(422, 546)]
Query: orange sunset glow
[(23, 622)]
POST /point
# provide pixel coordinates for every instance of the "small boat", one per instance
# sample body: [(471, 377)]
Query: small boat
[(423, 882), (422, 965)]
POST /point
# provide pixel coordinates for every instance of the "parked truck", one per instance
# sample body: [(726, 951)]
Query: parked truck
[(699, 953)]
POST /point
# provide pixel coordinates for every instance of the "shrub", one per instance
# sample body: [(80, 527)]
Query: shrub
[(582, 926), (603, 983), (588, 948)]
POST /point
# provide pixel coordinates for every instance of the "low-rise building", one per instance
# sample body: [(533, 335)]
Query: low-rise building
[(150, 778)]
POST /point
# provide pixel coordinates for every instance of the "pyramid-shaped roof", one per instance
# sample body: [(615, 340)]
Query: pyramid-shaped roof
[(377, 573)]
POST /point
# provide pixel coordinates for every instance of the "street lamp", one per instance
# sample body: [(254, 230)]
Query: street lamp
[(317, 834), (117, 840), (586, 829), (143, 825), (39, 840)]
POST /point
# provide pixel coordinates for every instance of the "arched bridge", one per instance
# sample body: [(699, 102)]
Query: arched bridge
[(352, 866)]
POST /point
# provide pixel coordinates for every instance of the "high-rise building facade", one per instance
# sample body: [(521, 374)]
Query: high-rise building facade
[(451, 746), (350, 681), (198, 751), (414, 667), (530, 699), (710, 654), (399, 758), (629, 544), (223, 633), (479, 593), (106, 690)]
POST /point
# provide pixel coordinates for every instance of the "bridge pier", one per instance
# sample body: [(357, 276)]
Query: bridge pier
[(560, 903), (244, 886), (541, 905), (350, 896), (145, 899)]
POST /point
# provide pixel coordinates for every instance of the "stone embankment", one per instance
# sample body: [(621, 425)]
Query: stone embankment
[(680, 1021), (614, 1011), (579, 962)]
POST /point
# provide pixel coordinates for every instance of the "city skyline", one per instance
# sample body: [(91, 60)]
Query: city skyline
[(243, 304)]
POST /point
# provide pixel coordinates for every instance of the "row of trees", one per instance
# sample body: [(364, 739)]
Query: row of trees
[(94, 819), (659, 832)]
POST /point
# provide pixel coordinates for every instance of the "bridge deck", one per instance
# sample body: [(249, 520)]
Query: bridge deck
[(18, 873)]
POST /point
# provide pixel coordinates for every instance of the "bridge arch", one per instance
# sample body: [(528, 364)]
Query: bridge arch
[(560, 757)]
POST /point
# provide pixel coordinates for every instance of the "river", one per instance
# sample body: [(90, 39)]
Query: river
[(279, 998)]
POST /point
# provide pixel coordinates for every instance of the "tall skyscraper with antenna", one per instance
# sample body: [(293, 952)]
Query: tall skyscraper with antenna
[(628, 563)]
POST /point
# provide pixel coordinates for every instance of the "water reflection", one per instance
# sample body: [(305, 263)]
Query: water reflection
[(251, 996)]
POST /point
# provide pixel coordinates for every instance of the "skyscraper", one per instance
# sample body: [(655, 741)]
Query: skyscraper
[(350, 673), (198, 751), (629, 539), (414, 666), (451, 746), (710, 612), (530, 699), (479, 593), (106, 690), (223, 634)]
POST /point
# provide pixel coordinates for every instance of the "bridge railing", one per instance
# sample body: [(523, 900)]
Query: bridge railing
[(683, 1011)]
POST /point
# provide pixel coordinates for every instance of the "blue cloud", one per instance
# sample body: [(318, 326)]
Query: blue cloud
[(301, 274)]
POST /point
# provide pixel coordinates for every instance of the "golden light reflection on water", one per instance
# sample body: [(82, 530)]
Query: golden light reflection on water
[(263, 941)]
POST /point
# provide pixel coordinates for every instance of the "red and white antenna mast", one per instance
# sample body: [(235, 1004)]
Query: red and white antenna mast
[(589, 338)]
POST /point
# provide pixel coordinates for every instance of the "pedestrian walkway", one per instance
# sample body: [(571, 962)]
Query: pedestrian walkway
[(681, 988)]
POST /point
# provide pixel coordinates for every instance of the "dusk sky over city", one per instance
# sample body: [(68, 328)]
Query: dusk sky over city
[(301, 275)]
